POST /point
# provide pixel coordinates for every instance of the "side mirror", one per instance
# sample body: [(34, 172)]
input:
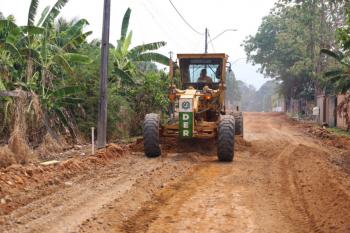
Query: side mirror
[(229, 67)]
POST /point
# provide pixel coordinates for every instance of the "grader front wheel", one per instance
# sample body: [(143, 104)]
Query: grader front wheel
[(226, 138), (151, 135)]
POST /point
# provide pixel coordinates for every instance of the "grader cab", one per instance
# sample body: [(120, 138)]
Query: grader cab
[(197, 108)]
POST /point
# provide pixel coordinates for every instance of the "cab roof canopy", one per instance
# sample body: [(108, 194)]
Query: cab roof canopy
[(202, 56)]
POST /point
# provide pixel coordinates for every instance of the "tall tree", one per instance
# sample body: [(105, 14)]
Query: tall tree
[(288, 43)]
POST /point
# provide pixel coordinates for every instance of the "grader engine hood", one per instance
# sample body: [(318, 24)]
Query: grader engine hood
[(188, 104)]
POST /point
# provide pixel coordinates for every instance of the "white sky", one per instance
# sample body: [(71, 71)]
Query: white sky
[(155, 20)]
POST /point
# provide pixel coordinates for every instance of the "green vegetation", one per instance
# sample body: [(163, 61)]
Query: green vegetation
[(305, 46), (339, 132), (49, 79), (339, 75), (246, 97), (288, 44), (253, 100)]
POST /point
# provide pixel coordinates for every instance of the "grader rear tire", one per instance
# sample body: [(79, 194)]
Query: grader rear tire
[(226, 138), (151, 135), (239, 124)]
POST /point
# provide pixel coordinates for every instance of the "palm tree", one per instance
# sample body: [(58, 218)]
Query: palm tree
[(124, 58)]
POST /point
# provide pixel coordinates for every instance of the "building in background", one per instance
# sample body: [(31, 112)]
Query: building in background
[(278, 103)]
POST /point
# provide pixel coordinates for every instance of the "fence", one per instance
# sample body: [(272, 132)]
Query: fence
[(328, 110), (300, 108), (341, 122)]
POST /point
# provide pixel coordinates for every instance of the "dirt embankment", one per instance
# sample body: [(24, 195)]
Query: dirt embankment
[(326, 137), (339, 144), (20, 185)]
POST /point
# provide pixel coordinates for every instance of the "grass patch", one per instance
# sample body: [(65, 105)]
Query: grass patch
[(292, 115), (339, 132)]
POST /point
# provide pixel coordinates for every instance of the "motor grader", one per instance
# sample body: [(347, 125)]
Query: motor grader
[(197, 106)]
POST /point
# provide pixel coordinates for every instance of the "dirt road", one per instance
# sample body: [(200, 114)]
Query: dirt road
[(281, 181)]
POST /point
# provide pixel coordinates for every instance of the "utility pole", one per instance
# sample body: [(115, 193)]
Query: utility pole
[(211, 40), (206, 40), (171, 68), (102, 108)]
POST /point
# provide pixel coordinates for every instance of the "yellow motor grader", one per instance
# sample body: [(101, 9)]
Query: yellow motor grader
[(197, 107)]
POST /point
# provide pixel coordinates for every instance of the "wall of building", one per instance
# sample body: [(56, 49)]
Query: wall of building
[(331, 111), (328, 112)]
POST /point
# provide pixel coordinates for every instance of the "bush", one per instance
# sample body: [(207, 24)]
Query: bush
[(150, 96)]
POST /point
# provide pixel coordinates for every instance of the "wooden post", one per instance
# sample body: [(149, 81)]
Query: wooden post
[(92, 140), (102, 109), (171, 69)]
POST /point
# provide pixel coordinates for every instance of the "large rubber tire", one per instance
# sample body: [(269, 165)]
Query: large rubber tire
[(151, 135), (226, 138), (239, 124)]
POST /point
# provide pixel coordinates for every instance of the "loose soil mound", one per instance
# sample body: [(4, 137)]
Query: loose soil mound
[(20, 185), (241, 144), (7, 158), (327, 137), (343, 161), (173, 145), (137, 146)]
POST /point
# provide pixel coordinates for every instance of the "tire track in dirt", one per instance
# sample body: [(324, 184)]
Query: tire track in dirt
[(318, 191), (291, 191), (169, 202), (325, 199), (186, 205)]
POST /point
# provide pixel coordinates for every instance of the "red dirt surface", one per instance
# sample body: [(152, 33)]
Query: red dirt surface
[(283, 179)]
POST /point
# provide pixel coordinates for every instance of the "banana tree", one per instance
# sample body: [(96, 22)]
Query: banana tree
[(55, 103), (124, 58), (57, 55), (339, 76), (44, 55)]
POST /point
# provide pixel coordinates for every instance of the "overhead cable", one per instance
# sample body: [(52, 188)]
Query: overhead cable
[(183, 18)]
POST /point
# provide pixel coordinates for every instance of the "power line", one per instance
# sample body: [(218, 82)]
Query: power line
[(150, 7), (188, 24), (160, 26)]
